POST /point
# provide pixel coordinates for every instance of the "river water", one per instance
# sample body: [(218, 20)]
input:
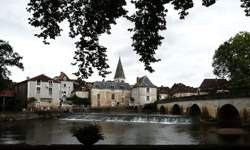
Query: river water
[(118, 129)]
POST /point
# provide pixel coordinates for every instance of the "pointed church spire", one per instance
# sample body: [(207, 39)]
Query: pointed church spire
[(119, 74)]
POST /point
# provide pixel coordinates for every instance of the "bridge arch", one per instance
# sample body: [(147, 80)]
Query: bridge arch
[(176, 109), (162, 110), (228, 116), (194, 110)]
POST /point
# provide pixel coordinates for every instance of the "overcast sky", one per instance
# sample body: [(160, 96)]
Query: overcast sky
[(186, 51)]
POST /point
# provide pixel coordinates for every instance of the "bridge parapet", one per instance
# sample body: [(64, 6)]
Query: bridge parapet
[(210, 107)]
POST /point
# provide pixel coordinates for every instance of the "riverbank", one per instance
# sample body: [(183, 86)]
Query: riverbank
[(125, 147), (15, 116)]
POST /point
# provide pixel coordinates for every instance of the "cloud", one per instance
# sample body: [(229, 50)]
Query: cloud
[(186, 51)]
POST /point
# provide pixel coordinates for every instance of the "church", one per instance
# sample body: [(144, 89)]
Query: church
[(116, 93)]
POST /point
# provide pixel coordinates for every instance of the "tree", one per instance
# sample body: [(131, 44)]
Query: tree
[(7, 58), (79, 101), (88, 19), (232, 60)]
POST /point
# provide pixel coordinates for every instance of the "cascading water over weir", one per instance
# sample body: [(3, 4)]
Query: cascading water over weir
[(130, 118)]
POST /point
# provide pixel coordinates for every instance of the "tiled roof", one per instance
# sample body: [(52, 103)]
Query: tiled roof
[(144, 82), (119, 74), (209, 84), (111, 85), (41, 77), (62, 76), (163, 90), (181, 88)]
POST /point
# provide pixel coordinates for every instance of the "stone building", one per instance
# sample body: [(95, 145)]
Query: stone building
[(209, 86), (143, 92), (163, 92), (106, 94), (47, 91), (66, 85), (181, 90)]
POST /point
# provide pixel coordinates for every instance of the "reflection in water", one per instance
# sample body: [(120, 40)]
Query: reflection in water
[(59, 132)]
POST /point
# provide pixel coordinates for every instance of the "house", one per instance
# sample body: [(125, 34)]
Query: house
[(81, 89), (7, 99), (163, 92), (47, 91), (181, 90), (143, 92), (212, 86), (106, 94), (66, 85)]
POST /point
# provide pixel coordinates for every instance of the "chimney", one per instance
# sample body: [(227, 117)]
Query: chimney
[(27, 78)]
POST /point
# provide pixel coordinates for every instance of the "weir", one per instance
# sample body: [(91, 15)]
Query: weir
[(130, 118)]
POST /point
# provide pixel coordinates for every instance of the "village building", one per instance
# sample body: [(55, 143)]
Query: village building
[(7, 98), (49, 93), (82, 89), (181, 90), (143, 92), (106, 94), (209, 86), (66, 85), (163, 92)]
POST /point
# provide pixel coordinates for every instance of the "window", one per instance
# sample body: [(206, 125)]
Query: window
[(98, 103), (64, 85), (122, 99), (148, 98), (113, 96), (98, 96), (50, 83), (147, 89), (50, 91), (38, 82), (38, 90)]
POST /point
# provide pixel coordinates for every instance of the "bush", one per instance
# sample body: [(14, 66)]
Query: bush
[(88, 134), (79, 101)]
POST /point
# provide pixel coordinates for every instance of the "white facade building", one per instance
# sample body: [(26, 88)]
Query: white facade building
[(143, 92), (49, 92)]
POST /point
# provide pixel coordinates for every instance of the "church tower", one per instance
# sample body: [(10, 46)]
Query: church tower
[(119, 74)]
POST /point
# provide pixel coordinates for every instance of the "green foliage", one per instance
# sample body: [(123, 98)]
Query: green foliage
[(32, 100), (79, 101), (88, 19), (232, 60), (7, 58), (151, 107), (88, 134)]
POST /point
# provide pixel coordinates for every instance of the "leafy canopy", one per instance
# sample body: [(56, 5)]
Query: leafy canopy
[(7, 58), (232, 60), (88, 19)]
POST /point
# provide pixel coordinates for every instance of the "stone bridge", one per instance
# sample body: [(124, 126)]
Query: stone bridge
[(229, 112)]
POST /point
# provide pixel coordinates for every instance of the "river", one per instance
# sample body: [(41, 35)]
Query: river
[(118, 129)]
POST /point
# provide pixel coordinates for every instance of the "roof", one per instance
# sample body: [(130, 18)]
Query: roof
[(119, 74), (6, 93), (111, 85), (209, 84), (144, 82), (182, 88), (62, 77), (41, 77), (163, 90)]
